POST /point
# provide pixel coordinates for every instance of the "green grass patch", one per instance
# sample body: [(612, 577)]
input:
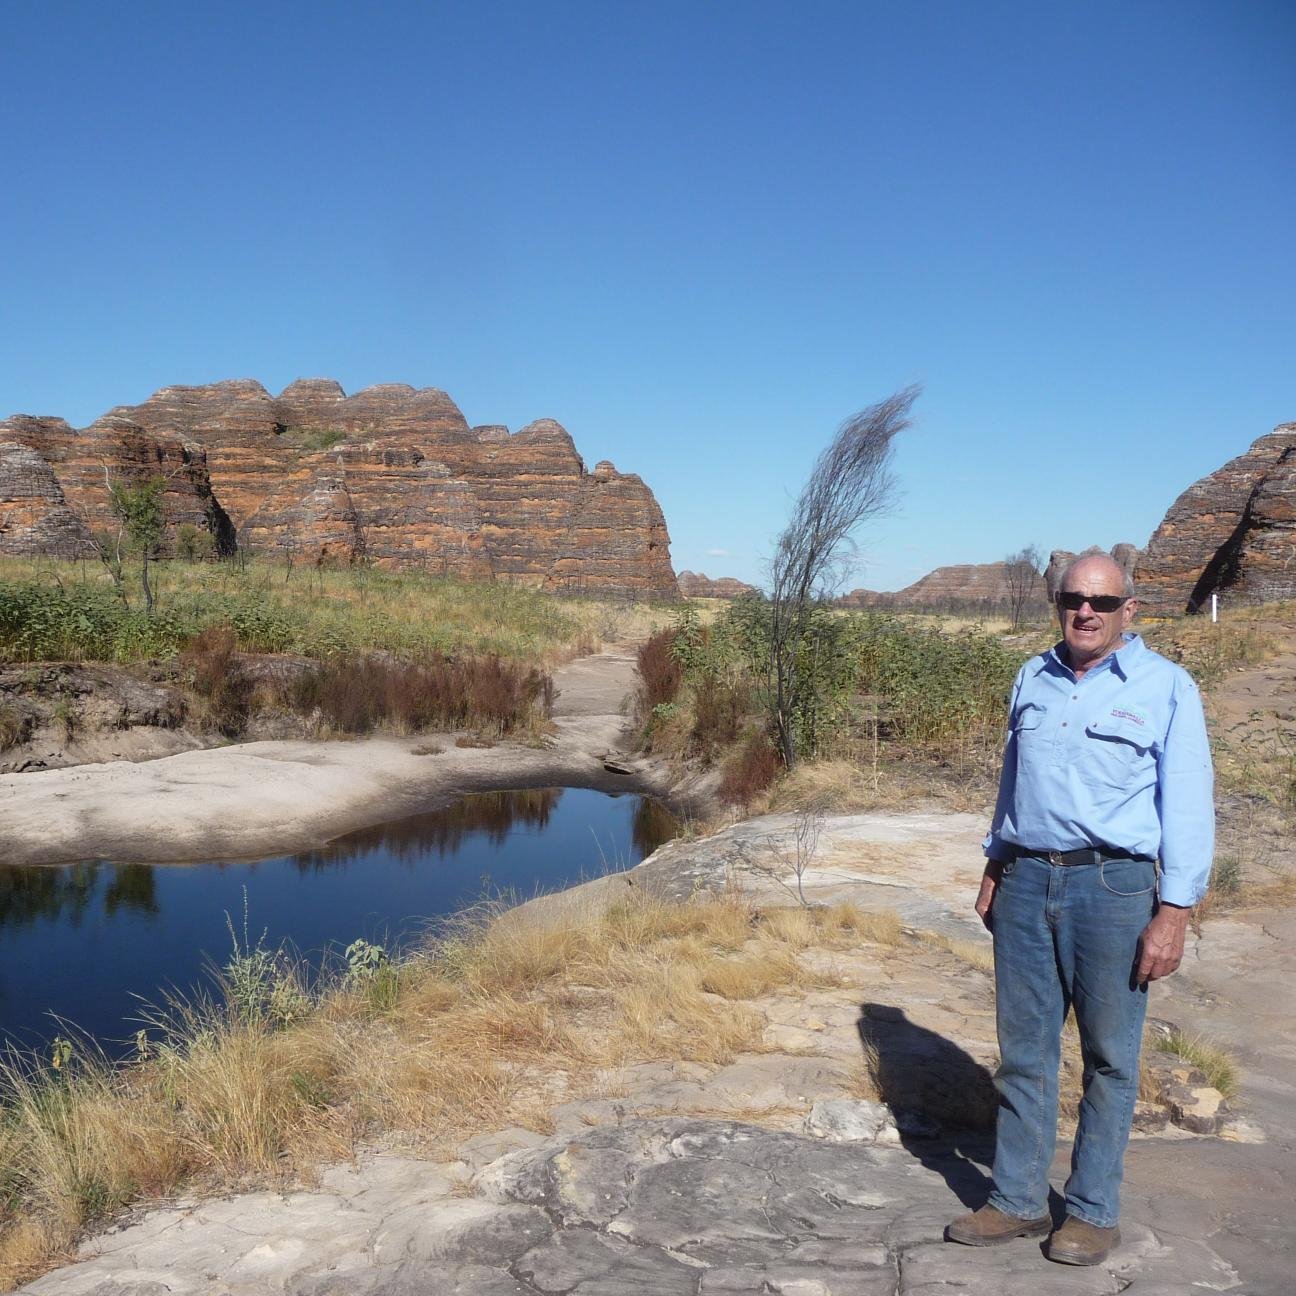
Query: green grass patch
[(68, 611), (1215, 1063)]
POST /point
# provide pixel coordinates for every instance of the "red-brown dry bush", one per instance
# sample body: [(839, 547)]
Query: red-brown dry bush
[(660, 673), (719, 709), (356, 694), (750, 770), (219, 676)]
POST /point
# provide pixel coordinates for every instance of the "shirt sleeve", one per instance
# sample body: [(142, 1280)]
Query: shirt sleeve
[(994, 846), (1185, 800)]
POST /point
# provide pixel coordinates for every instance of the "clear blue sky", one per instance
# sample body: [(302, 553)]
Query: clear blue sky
[(698, 235)]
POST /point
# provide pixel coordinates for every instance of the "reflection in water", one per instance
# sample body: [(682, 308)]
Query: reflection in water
[(492, 814), (28, 894), (85, 943), (654, 825), (439, 831)]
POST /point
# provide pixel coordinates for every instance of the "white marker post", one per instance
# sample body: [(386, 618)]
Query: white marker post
[(1214, 607)]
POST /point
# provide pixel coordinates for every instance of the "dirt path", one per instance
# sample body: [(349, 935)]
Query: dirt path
[(1268, 689), (254, 799)]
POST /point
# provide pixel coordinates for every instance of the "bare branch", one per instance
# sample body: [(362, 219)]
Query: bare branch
[(850, 483), (1022, 581)]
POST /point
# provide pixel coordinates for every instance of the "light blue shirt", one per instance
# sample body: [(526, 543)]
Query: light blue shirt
[(1118, 758)]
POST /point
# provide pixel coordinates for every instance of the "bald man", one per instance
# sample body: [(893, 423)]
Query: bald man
[(1106, 771)]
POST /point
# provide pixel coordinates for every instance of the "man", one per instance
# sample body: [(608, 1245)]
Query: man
[(1106, 770)]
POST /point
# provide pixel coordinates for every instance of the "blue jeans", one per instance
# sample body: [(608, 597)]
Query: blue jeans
[(1067, 936)]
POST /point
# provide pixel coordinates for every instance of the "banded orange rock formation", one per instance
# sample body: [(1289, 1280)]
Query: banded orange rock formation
[(1232, 533), (391, 475), (699, 585), (975, 586)]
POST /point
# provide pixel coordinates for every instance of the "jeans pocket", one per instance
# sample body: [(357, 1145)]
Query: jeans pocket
[(1127, 877)]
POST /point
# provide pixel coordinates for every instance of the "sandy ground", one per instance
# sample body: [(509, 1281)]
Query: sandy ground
[(259, 798)]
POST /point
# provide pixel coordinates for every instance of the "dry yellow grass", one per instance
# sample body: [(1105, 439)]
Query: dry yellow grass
[(974, 953), (1209, 650), (847, 923), (839, 786), (472, 1033)]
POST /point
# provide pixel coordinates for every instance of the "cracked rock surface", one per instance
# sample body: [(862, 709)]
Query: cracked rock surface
[(662, 1207)]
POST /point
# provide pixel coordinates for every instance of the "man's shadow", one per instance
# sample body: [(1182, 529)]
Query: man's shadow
[(944, 1099)]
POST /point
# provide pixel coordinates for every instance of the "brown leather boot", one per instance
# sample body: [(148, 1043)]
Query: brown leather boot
[(989, 1226), (1079, 1243)]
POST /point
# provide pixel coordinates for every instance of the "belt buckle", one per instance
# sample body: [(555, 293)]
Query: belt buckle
[(1055, 858)]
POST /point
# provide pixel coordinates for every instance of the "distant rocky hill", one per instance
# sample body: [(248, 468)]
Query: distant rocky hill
[(971, 586), (1232, 533), (389, 475), (698, 585)]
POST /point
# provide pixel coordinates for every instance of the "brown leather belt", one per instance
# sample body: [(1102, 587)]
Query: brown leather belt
[(1084, 855)]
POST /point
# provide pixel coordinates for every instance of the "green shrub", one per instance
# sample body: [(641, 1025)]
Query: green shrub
[(920, 686), (933, 688)]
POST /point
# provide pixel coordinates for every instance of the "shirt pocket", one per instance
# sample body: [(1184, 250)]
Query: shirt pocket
[(1118, 752), (1027, 720)]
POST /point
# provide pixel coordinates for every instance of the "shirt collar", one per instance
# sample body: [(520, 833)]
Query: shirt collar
[(1121, 661)]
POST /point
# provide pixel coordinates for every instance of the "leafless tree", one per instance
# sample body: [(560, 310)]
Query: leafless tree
[(796, 855), (851, 482), (1022, 571)]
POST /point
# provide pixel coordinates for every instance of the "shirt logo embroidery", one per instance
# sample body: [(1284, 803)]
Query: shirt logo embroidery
[(1119, 713)]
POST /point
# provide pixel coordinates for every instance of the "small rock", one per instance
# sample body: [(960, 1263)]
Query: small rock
[(1150, 1117), (1185, 1073), (1196, 1108), (1161, 1028), (850, 1120)]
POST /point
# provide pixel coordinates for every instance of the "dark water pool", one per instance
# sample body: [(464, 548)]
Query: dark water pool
[(87, 942)]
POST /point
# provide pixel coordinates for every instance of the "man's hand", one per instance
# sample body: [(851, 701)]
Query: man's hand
[(985, 897), (1161, 946)]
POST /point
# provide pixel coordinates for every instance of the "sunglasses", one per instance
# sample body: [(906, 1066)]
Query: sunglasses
[(1074, 600)]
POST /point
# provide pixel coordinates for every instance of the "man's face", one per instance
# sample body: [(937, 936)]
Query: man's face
[(1091, 635)]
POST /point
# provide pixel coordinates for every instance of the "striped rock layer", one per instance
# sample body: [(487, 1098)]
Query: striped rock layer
[(390, 475), (1232, 533), (700, 585), (962, 585)]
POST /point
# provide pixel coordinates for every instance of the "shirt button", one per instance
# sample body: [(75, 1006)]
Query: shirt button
[(1064, 724)]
